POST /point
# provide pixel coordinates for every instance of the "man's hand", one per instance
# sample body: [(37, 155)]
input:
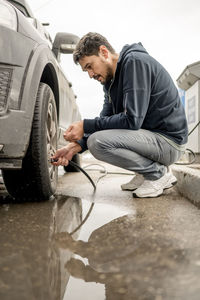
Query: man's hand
[(63, 155), (75, 132), (64, 240)]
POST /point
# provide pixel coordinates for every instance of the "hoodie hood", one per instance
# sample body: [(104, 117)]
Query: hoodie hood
[(136, 47)]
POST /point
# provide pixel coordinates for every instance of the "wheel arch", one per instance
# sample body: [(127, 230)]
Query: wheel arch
[(50, 77), (42, 68)]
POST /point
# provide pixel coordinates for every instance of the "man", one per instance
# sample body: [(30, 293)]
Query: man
[(142, 126)]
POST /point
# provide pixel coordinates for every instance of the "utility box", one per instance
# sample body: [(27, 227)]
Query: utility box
[(192, 108), (189, 80)]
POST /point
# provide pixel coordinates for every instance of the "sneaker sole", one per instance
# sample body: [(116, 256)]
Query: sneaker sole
[(170, 185), (158, 194), (130, 189)]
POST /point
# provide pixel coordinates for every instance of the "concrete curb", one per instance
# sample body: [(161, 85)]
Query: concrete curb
[(188, 182)]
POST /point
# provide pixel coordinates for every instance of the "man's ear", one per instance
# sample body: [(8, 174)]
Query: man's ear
[(103, 51)]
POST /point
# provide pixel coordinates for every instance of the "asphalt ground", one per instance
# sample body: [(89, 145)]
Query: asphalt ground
[(122, 247)]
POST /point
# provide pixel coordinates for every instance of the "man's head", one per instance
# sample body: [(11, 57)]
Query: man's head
[(96, 56)]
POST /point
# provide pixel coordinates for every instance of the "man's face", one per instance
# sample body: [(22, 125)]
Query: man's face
[(97, 67)]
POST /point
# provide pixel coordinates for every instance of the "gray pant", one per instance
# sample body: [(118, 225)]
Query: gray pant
[(141, 151)]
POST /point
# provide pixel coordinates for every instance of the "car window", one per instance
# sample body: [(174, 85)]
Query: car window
[(20, 7), (43, 31), (40, 28)]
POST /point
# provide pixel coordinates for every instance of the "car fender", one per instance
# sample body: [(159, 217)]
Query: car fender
[(41, 56)]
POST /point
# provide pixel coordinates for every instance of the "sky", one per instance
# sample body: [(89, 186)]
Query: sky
[(168, 29)]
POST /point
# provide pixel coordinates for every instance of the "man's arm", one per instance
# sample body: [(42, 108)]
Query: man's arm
[(75, 132), (63, 155), (136, 97), (83, 143)]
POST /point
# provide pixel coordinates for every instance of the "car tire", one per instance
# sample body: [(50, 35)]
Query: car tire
[(38, 177), (69, 168)]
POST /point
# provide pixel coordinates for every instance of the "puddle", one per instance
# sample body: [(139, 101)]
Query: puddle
[(31, 267), (126, 249), (93, 230)]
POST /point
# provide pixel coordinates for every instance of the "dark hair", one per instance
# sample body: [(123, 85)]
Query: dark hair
[(89, 45)]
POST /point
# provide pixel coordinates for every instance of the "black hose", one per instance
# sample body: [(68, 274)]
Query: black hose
[(72, 163), (194, 128), (193, 154), (190, 162)]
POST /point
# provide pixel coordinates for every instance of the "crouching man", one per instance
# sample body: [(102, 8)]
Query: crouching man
[(142, 126)]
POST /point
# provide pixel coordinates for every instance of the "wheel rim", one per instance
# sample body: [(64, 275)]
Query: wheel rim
[(51, 130)]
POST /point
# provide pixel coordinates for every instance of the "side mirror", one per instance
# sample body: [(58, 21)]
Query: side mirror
[(64, 43)]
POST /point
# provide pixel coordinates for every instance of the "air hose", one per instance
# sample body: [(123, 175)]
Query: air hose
[(72, 163)]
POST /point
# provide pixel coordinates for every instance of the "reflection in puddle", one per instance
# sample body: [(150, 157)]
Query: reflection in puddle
[(135, 257), (110, 252), (149, 251), (31, 267)]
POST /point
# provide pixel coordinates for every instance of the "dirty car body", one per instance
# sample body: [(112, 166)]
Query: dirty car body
[(37, 102)]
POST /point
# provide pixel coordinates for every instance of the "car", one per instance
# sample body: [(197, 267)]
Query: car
[(37, 102)]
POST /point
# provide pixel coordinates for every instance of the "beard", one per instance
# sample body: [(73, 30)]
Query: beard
[(108, 76)]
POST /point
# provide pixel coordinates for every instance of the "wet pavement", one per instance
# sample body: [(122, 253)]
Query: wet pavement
[(126, 249)]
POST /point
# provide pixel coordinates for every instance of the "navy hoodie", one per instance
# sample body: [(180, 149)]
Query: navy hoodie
[(141, 95)]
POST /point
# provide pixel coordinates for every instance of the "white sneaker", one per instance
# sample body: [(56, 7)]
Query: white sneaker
[(132, 185), (154, 188)]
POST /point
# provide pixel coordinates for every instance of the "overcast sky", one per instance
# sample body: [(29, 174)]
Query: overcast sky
[(168, 29)]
